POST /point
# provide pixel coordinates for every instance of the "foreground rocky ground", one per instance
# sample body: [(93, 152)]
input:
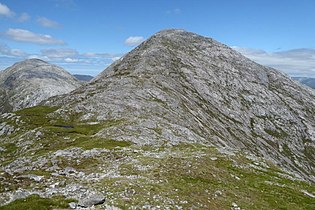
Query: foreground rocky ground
[(55, 163)]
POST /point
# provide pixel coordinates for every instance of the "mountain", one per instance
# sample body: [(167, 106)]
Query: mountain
[(306, 81), (83, 78), (182, 121), (195, 89), (29, 82)]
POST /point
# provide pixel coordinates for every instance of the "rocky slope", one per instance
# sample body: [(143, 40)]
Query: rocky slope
[(181, 87), (29, 82), (180, 122)]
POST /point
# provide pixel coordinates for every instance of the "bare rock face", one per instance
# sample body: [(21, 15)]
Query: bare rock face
[(181, 87), (29, 82)]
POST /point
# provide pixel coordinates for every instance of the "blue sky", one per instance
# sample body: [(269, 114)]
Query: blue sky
[(84, 36)]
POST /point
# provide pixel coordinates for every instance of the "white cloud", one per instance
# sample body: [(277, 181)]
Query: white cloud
[(7, 51), (71, 60), (134, 40), (22, 35), (59, 53), (45, 22), (115, 58), (23, 17), (296, 62), (102, 55), (175, 11), (4, 10)]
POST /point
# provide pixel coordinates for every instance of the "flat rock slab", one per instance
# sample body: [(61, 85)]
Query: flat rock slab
[(92, 200)]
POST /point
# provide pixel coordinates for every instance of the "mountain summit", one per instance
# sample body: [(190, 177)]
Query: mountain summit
[(181, 87), (180, 122), (29, 82)]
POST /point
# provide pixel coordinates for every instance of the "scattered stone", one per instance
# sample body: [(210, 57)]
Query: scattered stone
[(20, 194), (35, 177), (92, 200), (235, 207), (73, 205), (111, 208), (308, 194), (218, 193)]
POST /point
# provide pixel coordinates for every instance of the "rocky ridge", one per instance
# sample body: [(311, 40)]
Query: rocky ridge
[(29, 82), (181, 122), (181, 87)]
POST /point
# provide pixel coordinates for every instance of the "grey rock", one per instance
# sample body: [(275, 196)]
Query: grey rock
[(235, 207), (29, 82), (181, 87), (92, 200), (20, 194), (34, 177), (73, 205)]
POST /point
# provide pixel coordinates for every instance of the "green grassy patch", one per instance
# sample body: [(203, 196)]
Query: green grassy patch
[(187, 175), (34, 202), (95, 142)]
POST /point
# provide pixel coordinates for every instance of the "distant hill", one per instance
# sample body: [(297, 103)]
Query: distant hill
[(83, 78), (306, 81), (29, 82)]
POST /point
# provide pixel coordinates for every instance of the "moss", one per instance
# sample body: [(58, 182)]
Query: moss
[(38, 173), (10, 148), (158, 130), (90, 143), (276, 133), (36, 116), (34, 202)]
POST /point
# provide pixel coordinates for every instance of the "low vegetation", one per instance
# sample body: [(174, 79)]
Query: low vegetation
[(184, 176)]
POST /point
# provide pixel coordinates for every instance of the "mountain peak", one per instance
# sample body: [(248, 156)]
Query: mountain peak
[(32, 61), (180, 111), (198, 90), (28, 82)]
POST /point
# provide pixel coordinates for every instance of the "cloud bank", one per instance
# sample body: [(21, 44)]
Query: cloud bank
[(22, 35), (134, 40), (295, 62)]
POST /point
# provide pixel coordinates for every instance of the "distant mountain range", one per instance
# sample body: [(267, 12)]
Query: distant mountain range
[(83, 78), (306, 81)]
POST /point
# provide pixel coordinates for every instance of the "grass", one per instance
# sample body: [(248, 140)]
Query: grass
[(276, 134), (187, 176), (90, 143), (34, 202)]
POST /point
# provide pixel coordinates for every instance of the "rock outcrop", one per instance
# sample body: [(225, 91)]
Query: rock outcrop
[(29, 82), (181, 87)]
